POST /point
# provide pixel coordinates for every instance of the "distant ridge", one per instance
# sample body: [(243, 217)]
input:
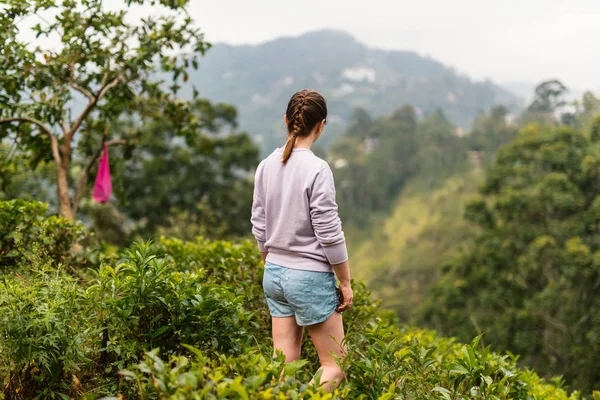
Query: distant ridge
[(259, 79)]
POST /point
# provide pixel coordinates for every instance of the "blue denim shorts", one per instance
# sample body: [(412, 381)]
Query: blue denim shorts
[(310, 296)]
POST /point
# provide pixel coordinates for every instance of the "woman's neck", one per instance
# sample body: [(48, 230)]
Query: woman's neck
[(304, 142)]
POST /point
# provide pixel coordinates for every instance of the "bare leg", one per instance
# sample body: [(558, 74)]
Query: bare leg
[(287, 337), (327, 338)]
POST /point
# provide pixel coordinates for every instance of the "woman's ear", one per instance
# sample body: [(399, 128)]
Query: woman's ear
[(319, 129), (285, 120)]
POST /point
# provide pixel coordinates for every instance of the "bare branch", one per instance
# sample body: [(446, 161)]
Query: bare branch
[(86, 172), (44, 128), (109, 85), (90, 107), (63, 126), (86, 111), (82, 90)]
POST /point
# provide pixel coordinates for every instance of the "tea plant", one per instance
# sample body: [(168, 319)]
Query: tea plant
[(179, 320)]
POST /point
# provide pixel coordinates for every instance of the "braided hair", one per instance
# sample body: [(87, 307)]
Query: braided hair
[(305, 110)]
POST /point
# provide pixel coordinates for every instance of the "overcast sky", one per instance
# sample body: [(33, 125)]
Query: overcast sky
[(510, 40), (507, 41)]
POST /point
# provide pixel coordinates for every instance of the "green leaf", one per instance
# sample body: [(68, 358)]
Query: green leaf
[(292, 367), (237, 387), (459, 369), (445, 393)]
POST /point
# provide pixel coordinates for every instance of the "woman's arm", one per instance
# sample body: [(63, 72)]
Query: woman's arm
[(258, 219), (324, 218), (342, 271), (328, 230)]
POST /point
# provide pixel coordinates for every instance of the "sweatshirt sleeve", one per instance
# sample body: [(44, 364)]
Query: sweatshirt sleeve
[(258, 212), (324, 217)]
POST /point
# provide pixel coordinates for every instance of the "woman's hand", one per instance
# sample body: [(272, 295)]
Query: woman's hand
[(346, 297)]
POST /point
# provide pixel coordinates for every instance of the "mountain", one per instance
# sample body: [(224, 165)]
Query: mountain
[(259, 79)]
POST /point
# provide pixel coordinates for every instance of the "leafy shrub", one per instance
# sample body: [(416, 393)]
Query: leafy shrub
[(250, 375), (199, 306), (41, 342), (143, 303), (383, 363), (27, 228), (219, 261)]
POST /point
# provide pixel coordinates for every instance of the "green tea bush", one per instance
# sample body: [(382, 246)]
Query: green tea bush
[(27, 228), (41, 343), (144, 302), (384, 363), (179, 320)]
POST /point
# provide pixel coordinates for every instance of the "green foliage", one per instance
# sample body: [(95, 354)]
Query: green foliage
[(530, 279), (143, 303), (400, 257), (28, 232), (375, 159), (490, 132), (18, 180), (203, 178), (40, 343), (106, 62), (384, 362), (199, 306)]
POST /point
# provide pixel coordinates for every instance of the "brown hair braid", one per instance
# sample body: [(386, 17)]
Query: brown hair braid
[(305, 110)]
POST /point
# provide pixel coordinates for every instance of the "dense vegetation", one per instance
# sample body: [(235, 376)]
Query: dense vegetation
[(179, 320), (376, 158), (114, 81), (530, 280), (539, 190)]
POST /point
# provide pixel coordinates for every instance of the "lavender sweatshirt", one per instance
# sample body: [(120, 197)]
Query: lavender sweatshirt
[(294, 212)]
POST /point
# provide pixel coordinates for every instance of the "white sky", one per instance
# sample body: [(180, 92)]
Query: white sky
[(506, 41), (510, 40)]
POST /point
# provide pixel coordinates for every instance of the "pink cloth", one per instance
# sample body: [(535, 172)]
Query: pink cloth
[(103, 184)]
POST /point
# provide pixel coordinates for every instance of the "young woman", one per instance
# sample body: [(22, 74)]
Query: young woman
[(299, 234)]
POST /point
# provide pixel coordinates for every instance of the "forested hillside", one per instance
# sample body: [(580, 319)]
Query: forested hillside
[(500, 247), (260, 80)]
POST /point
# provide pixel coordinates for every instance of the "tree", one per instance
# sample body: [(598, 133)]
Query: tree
[(590, 110), (548, 99), (102, 59), (204, 178), (530, 281), (548, 96), (491, 131)]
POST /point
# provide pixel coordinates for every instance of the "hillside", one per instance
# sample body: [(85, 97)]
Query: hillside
[(403, 254), (260, 79), (182, 320)]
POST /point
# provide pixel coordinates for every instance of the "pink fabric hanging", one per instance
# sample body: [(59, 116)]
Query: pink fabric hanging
[(103, 184)]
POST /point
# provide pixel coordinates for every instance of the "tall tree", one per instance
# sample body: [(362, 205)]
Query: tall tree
[(549, 95), (102, 58)]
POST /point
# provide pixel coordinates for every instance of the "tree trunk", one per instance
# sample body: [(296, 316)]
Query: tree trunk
[(62, 186)]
